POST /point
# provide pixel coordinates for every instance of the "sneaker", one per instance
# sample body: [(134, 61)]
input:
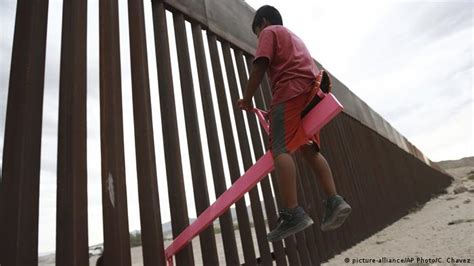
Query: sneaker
[(291, 221), (337, 210)]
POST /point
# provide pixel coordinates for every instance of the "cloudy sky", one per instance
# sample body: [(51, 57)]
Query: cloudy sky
[(411, 61)]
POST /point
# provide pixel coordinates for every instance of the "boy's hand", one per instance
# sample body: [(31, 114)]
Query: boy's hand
[(245, 104), (256, 75)]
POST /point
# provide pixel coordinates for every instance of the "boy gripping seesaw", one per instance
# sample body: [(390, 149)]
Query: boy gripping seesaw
[(292, 73)]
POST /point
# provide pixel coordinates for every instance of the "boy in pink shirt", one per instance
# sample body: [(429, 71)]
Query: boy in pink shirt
[(292, 73)]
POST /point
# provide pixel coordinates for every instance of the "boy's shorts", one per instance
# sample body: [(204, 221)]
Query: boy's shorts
[(286, 134)]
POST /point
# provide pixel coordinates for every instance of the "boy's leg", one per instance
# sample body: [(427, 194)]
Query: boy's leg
[(320, 168), (284, 125), (286, 179), (293, 218), (337, 209)]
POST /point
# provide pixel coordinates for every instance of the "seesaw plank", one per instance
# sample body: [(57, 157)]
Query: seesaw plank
[(244, 184), (313, 122)]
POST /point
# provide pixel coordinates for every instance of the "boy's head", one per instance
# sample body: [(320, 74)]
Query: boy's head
[(265, 16)]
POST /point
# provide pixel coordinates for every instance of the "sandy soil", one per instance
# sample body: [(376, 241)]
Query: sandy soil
[(137, 259), (440, 233)]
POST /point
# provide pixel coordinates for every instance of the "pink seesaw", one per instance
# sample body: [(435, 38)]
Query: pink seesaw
[(316, 119)]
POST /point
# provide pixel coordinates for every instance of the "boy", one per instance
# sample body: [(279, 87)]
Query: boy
[(292, 72)]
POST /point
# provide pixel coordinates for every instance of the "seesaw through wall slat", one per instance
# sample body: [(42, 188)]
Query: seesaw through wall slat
[(278, 249), (226, 224), (245, 151), (257, 211), (231, 151), (174, 170), (150, 217), (198, 173)]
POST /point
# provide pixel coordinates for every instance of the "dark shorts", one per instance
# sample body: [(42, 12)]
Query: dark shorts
[(286, 133)]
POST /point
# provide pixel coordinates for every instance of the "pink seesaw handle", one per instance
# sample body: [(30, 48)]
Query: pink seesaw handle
[(261, 117)]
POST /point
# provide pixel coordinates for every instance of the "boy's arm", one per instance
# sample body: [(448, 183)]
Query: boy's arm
[(259, 68)]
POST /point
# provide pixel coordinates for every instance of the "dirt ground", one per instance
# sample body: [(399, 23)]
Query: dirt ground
[(440, 233)]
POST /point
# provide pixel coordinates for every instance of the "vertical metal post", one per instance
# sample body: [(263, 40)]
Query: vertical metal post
[(265, 255), (19, 187), (227, 230), (333, 238), (198, 172), (150, 217), (306, 200), (174, 170), (301, 239), (71, 218), (278, 249), (330, 144), (241, 208), (114, 196)]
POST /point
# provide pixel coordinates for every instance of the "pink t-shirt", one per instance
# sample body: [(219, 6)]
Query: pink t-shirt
[(291, 67)]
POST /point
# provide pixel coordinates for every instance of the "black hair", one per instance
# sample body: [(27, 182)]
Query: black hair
[(100, 260), (268, 12)]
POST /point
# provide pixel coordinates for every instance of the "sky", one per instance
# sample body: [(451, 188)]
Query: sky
[(411, 61)]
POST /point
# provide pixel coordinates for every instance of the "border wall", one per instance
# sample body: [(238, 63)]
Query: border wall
[(377, 169)]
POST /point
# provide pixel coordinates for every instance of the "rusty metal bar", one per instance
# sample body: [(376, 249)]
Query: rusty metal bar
[(340, 142), (333, 238), (71, 218), (345, 188), (369, 205), (325, 240), (201, 194), (301, 243), (316, 211), (19, 187), (241, 208), (344, 233), (306, 200), (378, 187), (302, 238), (316, 215), (220, 17), (260, 229), (150, 217), (114, 195), (336, 141), (227, 230), (278, 250), (174, 170)]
